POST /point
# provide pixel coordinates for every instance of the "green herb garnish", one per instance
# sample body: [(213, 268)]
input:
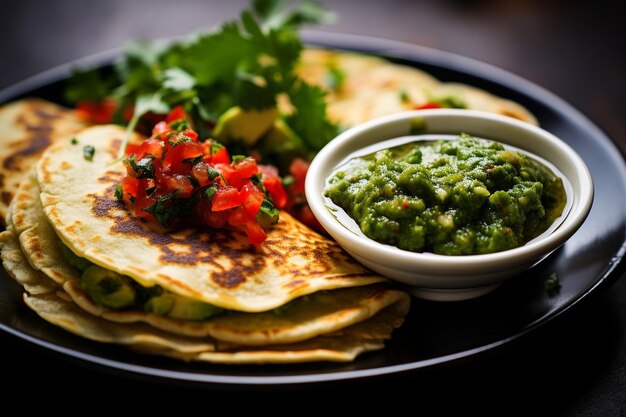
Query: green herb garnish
[(552, 284), (246, 63), (88, 152)]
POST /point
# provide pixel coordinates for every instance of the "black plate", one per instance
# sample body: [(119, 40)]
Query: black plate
[(434, 333)]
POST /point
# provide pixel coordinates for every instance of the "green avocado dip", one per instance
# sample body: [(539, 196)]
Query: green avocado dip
[(452, 197)]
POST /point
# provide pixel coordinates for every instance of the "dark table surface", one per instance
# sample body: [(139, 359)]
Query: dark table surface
[(576, 49)]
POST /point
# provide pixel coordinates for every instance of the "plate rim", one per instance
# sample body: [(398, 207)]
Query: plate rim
[(387, 48)]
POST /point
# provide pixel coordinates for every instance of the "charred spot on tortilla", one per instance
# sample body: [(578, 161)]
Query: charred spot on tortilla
[(34, 145), (114, 148)]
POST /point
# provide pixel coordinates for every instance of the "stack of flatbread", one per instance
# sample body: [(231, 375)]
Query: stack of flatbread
[(299, 297)]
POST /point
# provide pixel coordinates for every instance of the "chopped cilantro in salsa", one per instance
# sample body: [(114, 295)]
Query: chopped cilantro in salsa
[(173, 178)]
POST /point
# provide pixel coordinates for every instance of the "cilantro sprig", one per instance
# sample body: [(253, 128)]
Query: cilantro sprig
[(247, 63)]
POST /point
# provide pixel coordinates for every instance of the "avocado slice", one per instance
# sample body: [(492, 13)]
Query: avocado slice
[(177, 307), (108, 288), (281, 145), (76, 261), (246, 126)]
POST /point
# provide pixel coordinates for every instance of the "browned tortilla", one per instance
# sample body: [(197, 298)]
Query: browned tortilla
[(27, 128)]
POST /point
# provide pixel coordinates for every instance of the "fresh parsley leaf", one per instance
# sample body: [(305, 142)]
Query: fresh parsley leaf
[(309, 119), (119, 192), (88, 152), (552, 284), (144, 167), (167, 208), (150, 102), (276, 15), (250, 95), (74, 141), (268, 214), (89, 85), (209, 192), (335, 77), (177, 79)]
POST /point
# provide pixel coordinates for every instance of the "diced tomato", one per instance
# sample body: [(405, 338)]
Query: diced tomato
[(274, 185), (132, 148), (161, 129), (246, 168), (306, 216), (142, 200), (181, 184), (175, 114), (298, 169), (256, 234), (190, 134), (428, 105), (215, 153), (242, 171), (150, 146), (240, 216), (97, 112), (205, 215), (177, 155), (226, 198), (129, 188), (252, 198), (200, 172)]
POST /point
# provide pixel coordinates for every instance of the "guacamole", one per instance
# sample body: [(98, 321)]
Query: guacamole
[(452, 197)]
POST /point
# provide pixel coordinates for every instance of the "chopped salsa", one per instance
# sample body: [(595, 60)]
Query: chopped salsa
[(175, 178)]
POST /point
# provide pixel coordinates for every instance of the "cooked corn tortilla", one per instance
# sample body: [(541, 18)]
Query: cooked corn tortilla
[(27, 128), (302, 319), (342, 346), (374, 87), (215, 266), (55, 306)]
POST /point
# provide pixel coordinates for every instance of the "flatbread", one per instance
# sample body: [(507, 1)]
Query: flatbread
[(375, 87), (342, 346), (302, 319), (27, 128), (55, 307), (215, 266)]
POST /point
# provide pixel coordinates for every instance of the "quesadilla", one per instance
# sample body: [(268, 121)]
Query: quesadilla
[(361, 87), (27, 128), (329, 325), (217, 267)]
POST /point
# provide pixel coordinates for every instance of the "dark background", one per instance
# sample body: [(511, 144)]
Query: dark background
[(576, 49)]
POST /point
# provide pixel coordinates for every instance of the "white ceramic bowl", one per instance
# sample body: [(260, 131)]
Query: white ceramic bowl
[(442, 277)]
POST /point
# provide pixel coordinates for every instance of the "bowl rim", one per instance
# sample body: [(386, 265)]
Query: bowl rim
[(533, 249)]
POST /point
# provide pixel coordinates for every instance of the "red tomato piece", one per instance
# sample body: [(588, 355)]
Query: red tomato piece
[(256, 234), (274, 185), (161, 129), (200, 173), (97, 112), (240, 216), (175, 157), (226, 198), (298, 169), (152, 147), (181, 184), (428, 105), (252, 198), (175, 114), (142, 200), (215, 153), (190, 134)]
